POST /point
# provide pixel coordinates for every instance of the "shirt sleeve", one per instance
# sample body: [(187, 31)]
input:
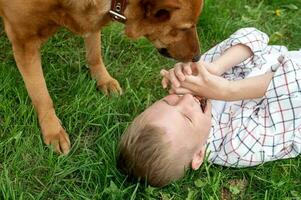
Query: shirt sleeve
[(256, 40), (276, 49), (286, 80)]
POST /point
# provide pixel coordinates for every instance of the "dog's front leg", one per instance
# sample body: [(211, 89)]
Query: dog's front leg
[(27, 56), (97, 68)]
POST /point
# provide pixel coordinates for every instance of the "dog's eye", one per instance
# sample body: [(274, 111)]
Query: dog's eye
[(162, 14), (184, 29)]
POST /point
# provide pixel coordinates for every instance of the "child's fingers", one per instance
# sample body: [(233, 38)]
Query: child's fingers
[(181, 91), (193, 68), (164, 72), (192, 80), (165, 79), (187, 69), (171, 91), (164, 82), (178, 69), (201, 67), (173, 78)]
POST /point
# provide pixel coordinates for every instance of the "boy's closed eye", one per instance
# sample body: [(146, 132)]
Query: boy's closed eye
[(186, 118)]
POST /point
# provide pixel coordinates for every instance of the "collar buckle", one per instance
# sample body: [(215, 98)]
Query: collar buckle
[(117, 9)]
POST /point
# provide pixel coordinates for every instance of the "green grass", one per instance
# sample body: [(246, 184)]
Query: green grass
[(30, 170)]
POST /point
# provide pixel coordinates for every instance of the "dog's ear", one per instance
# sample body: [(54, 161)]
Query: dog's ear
[(160, 10)]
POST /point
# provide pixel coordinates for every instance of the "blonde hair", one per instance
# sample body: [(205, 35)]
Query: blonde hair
[(145, 152)]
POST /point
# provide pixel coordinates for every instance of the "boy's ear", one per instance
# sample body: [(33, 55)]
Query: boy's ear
[(198, 159)]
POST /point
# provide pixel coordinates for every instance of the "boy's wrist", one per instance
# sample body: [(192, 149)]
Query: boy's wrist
[(221, 88), (233, 89), (226, 90)]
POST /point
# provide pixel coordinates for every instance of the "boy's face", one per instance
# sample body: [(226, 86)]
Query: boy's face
[(183, 119)]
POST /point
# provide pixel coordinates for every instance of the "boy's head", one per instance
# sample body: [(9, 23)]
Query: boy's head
[(166, 139)]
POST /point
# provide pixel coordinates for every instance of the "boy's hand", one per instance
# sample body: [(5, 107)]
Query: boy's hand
[(177, 74), (204, 84)]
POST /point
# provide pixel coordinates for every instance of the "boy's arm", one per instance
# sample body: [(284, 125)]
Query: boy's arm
[(250, 88), (211, 86), (230, 58), (249, 37)]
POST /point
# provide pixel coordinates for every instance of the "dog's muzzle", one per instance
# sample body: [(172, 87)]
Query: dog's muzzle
[(164, 52), (196, 58)]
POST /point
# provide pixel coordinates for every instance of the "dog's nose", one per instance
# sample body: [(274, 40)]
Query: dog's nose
[(164, 52), (196, 58)]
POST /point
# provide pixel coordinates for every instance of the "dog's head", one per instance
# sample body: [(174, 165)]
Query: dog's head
[(169, 24)]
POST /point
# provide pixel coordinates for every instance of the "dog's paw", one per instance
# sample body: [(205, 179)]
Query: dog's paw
[(59, 141), (54, 134), (109, 86)]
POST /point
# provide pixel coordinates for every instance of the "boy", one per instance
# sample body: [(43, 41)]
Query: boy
[(259, 119)]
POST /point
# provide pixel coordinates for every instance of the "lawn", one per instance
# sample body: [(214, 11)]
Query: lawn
[(30, 170)]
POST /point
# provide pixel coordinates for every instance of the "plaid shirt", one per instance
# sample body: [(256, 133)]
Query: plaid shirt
[(250, 132)]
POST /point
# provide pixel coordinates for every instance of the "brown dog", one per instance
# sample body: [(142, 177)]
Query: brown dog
[(168, 24)]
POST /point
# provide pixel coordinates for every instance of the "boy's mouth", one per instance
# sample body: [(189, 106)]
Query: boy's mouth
[(202, 101), (203, 104)]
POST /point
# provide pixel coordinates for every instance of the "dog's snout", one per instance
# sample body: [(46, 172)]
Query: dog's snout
[(164, 52), (196, 58)]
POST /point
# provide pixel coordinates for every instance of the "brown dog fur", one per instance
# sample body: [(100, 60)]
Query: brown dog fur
[(168, 24)]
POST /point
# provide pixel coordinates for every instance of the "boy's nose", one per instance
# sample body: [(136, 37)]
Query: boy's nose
[(186, 99)]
